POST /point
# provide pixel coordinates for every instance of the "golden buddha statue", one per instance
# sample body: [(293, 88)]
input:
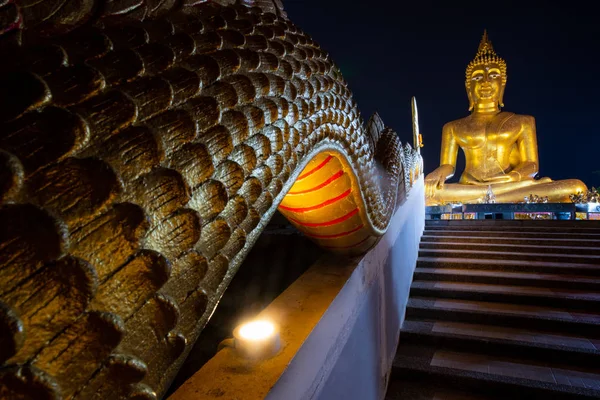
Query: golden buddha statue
[(500, 147)]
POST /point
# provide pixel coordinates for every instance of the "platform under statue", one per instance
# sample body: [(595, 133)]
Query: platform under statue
[(500, 147)]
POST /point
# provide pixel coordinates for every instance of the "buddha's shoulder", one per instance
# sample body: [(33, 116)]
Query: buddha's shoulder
[(457, 123), (521, 119)]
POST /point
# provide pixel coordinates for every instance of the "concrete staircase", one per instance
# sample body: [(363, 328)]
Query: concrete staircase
[(502, 310)]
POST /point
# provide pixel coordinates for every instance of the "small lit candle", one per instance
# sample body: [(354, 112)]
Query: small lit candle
[(257, 339)]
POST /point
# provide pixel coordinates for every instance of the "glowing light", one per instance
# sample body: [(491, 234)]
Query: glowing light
[(258, 339), (257, 330)]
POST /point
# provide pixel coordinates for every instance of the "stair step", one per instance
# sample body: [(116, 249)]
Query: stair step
[(401, 389), (524, 233), (509, 265), (501, 340), (454, 305), (510, 239), (513, 248), (544, 229), (555, 297), (513, 377), (507, 255), (543, 318), (507, 278), (586, 226)]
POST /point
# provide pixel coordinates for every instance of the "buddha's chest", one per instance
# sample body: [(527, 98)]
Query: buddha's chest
[(485, 135)]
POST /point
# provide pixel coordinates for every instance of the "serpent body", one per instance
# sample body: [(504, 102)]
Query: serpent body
[(143, 147)]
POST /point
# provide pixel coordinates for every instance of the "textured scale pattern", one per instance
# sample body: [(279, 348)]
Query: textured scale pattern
[(143, 147)]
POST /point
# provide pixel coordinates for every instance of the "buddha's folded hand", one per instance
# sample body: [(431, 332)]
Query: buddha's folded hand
[(500, 178), (434, 181)]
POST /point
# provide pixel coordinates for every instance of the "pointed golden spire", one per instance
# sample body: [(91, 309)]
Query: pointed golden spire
[(485, 46)]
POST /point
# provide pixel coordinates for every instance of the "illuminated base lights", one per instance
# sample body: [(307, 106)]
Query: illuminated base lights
[(257, 339)]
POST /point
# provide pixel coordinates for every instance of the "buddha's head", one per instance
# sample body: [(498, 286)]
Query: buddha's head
[(486, 76)]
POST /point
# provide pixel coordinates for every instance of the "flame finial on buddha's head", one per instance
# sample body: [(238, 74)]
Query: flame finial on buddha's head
[(485, 46)]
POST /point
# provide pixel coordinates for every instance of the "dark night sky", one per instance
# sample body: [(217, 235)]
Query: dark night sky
[(390, 50)]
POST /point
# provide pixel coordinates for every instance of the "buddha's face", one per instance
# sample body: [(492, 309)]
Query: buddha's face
[(485, 85)]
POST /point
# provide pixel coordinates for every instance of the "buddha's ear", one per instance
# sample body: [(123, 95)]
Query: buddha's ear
[(471, 102), (501, 96)]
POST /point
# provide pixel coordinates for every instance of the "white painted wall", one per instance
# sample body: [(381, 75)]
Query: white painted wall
[(349, 353)]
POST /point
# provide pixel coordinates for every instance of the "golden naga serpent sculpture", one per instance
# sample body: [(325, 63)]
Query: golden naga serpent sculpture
[(144, 144)]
